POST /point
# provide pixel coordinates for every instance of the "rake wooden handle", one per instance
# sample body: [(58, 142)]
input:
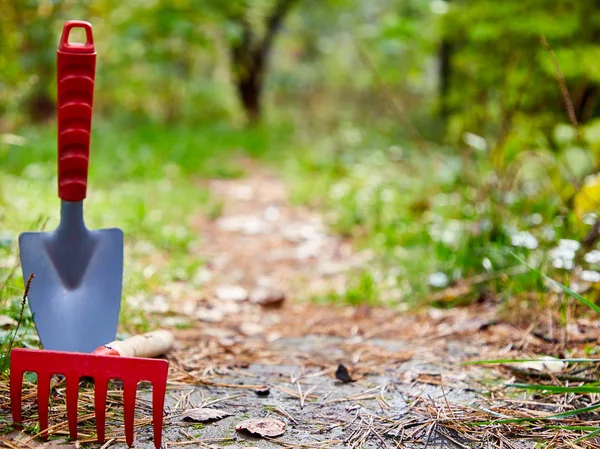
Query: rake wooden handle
[(148, 345)]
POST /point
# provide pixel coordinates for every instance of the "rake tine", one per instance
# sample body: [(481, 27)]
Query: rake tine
[(129, 393), (158, 403), (100, 390), (43, 396), (16, 380), (72, 393), (108, 363)]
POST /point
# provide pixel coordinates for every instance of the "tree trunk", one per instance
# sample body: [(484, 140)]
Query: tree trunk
[(250, 88), (35, 57), (445, 51), (585, 103), (248, 72), (250, 60), (445, 69), (40, 106)]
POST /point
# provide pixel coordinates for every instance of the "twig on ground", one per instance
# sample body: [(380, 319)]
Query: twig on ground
[(23, 303), (108, 443), (563, 87), (279, 408), (393, 102)]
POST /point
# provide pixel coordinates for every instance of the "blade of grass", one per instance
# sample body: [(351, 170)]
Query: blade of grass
[(11, 341), (498, 361), (568, 414), (557, 389), (564, 288), (592, 428), (589, 435)]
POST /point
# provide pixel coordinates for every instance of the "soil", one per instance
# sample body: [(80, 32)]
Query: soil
[(262, 243), (248, 324)]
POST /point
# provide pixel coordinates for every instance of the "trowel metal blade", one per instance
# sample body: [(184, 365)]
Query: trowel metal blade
[(75, 302)]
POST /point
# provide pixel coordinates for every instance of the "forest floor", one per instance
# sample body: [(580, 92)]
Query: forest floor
[(251, 344)]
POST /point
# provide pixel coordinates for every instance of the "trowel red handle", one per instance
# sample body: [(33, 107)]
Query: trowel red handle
[(76, 71)]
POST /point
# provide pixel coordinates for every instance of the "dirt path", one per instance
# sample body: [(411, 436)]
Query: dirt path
[(406, 368)]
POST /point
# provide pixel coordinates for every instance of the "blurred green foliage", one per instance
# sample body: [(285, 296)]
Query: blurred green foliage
[(164, 61), (168, 61), (502, 80)]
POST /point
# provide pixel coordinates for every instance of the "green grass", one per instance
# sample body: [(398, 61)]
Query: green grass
[(542, 389), (136, 151), (143, 179), (435, 212), (432, 217)]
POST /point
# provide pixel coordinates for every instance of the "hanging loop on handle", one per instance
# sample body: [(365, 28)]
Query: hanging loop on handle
[(85, 47), (76, 72)]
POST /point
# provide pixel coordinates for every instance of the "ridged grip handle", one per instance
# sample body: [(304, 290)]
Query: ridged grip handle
[(76, 72)]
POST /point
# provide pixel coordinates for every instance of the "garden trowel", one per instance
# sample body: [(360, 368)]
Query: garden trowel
[(75, 296)]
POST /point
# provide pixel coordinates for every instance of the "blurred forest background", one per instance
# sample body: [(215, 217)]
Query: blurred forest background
[(441, 135)]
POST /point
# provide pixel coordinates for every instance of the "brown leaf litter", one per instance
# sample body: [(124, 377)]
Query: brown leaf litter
[(254, 348), (264, 427), (204, 414)]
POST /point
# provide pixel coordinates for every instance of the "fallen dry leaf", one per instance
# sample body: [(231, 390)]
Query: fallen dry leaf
[(545, 363), (174, 321), (267, 297), (6, 321), (154, 304), (302, 231), (250, 329), (244, 224), (19, 439), (343, 375), (209, 315), (203, 414), (231, 293), (263, 391), (264, 427), (60, 444)]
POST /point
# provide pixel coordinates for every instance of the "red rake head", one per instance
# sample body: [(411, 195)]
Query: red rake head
[(101, 368)]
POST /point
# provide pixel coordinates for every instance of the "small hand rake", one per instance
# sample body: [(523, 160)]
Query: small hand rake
[(117, 360)]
